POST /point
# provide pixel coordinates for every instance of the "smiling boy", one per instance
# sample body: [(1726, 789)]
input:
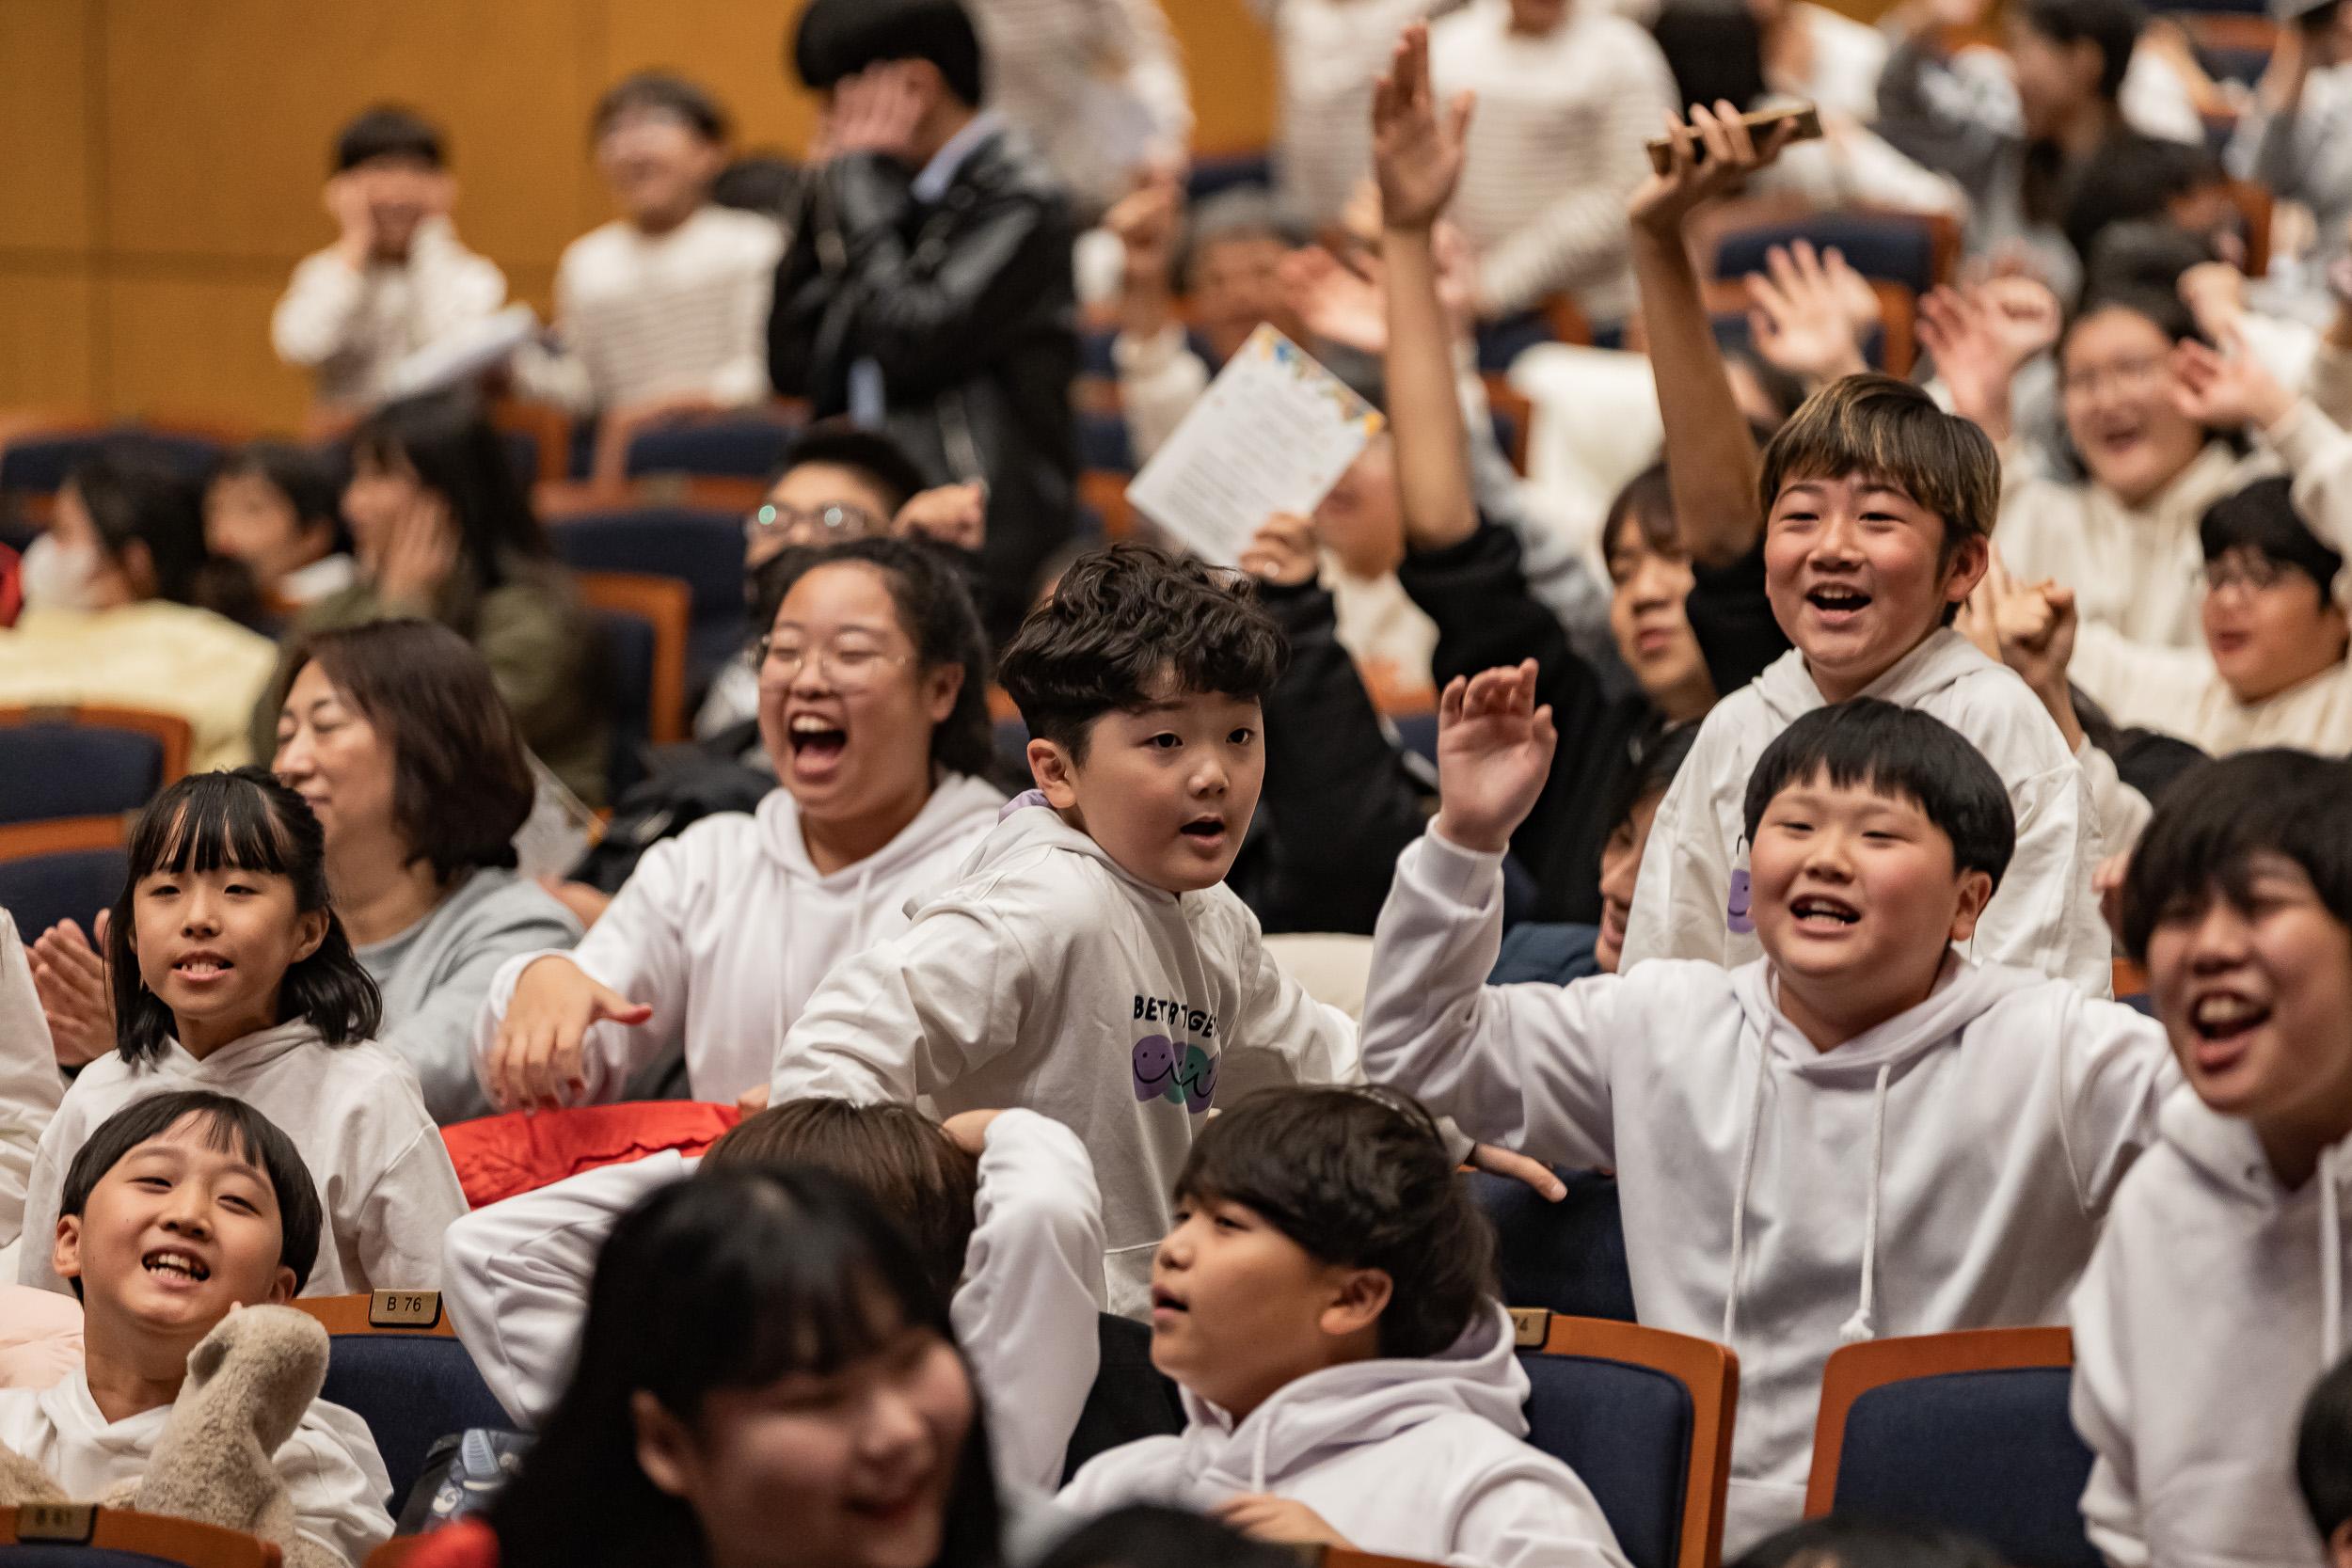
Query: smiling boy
[(1087, 961), (178, 1210), (1859, 1135)]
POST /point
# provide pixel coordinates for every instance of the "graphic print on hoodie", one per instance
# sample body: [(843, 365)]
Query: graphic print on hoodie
[(2213, 1303), (1690, 899), (1423, 1459), (725, 930), (1944, 1170), (1044, 977)]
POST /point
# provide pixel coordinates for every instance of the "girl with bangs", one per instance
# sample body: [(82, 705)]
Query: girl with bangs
[(767, 1379), (231, 974)]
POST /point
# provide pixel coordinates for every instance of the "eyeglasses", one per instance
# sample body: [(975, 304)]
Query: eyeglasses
[(2125, 376), (2245, 569), (846, 670), (795, 523)]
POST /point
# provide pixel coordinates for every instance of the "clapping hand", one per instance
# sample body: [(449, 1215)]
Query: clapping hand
[(76, 990), (1494, 752)]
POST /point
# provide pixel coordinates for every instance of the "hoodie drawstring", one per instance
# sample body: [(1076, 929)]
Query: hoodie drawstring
[(1256, 1457), (2331, 1262), (1858, 1327), (1739, 1194)]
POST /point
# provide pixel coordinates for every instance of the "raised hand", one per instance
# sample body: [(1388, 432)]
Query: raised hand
[(1494, 752), (1416, 151), (76, 991), (1980, 337), (1147, 221), (535, 1059), (1336, 302), (1808, 317), (2229, 390), (1282, 551), (1705, 158), (953, 514)]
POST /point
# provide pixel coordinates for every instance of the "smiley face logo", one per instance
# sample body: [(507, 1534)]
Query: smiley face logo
[(1737, 911), (1155, 1069), (1198, 1079)]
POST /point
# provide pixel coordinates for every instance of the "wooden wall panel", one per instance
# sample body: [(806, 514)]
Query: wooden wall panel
[(177, 346), (45, 337), (1231, 62), (44, 107)]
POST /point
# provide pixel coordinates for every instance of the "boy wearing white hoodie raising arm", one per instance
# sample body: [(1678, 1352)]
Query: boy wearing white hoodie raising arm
[(1860, 1133), (2216, 1294), (1087, 961), (1323, 1300)]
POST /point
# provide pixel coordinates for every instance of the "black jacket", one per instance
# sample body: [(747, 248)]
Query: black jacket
[(967, 307)]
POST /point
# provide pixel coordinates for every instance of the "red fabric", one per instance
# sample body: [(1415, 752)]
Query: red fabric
[(11, 586), (467, 1543), (499, 1156)]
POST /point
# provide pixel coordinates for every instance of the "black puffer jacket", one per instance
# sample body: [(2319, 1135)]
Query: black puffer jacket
[(966, 307)]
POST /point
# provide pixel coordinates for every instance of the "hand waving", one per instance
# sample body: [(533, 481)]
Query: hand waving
[(2229, 390), (1494, 752), (1810, 312), (1416, 155)]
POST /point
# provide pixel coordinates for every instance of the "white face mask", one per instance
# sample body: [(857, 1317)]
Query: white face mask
[(56, 578)]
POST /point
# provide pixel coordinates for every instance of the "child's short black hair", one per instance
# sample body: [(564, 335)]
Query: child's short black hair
[(1119, 619), (229, 1125), (132, 497), (1656, 762), (660, 89), (1146, 1535), (2213, 825), (841, 37), (248, 820), (1891, 431), (2261, 519), (874, 457), (2114, 25), (388, 131), (2323, 1450), (1360, 1177), (1896, 751), (1858, 1541)]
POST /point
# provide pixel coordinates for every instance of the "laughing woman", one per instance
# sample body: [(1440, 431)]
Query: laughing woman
[(872, 708)]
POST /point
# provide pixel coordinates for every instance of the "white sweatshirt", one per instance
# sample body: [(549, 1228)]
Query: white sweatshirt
[(330, 1467), (515, 1277), (354, 1112), (1944, 1170), (1424, 1458), (725, 930), (2045, 916), (352, 327), (1044, 975), (30, 1084), (2213, 1303)]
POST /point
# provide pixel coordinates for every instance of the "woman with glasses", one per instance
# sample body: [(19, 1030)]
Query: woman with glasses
[(871, 680)]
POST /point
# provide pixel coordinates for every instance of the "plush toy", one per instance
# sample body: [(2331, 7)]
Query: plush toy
[(249, 1383)]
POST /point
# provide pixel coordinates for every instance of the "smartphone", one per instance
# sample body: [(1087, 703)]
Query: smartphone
[(1808, 121)]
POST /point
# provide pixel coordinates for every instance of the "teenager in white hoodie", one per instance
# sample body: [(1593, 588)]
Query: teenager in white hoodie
[(1087, 961), (231, 974), (1860, 1133), (2217, 1296), (1323, 1301), (873, 707), (181, 1210), (1002, 1206), (1867, 517)]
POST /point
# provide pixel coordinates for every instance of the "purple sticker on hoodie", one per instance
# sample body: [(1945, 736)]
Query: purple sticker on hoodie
[(1736, 912), (1155, 1069)]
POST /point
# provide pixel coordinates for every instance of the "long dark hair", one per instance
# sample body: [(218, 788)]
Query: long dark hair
[(732, 1280), (458, 455), (248, 820)]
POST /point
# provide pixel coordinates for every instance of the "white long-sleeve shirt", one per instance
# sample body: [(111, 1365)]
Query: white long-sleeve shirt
[(1557, 145), (1078, 76), (354, 1112), (351, 327), (31, 1087), (644, 316), (516, 1276)]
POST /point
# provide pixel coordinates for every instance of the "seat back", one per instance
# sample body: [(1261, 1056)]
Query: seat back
[(1915, 249), (83, 761), (666, 606), (1130, 1398), (701, 547), (78, 1535), (410, 1381), (632, 650), (1969, 1430), (64, 869), (745, 448), (1645, 1418), (1568, 1257)]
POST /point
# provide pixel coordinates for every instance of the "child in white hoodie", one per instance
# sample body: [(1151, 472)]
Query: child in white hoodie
[(2216, 1294), (1325, 1300), (178, 1210), (1868, 516), (1001, 1204), (2323, 1462), (1862, 1133), (1087, 961), (231, 974)]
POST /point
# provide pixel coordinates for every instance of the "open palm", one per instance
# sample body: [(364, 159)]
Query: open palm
[(1416, 153), (1494, 752)]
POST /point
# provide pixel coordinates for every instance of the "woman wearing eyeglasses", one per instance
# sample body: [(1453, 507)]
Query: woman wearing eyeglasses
[(873, 708)]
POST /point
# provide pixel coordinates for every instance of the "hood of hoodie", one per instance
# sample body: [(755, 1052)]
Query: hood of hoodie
[(956, 801), (1027, 824), (1963, 992), (1364, 1402), (243, 1054), (1944, 656)]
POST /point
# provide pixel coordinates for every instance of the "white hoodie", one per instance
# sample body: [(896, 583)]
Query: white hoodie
[(1944, 1170), (1044, 975), (354, 1112), (2213, 1303), (515, 1277), (330, 1467), (2046, 915), (725, 930), (1424, 1458), (30, 1083)]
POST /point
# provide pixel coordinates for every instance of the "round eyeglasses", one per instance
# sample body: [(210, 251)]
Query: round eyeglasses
[(846, 669), (810, 523)]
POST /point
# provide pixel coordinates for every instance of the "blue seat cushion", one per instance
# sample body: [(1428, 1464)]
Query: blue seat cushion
[(70, 885), (50, 1555), (1993, 1454), (1626, 1431), (411, 1389), (739, 448), (628, 642), (1567, 1256), (75, 770), (1898, 249)]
